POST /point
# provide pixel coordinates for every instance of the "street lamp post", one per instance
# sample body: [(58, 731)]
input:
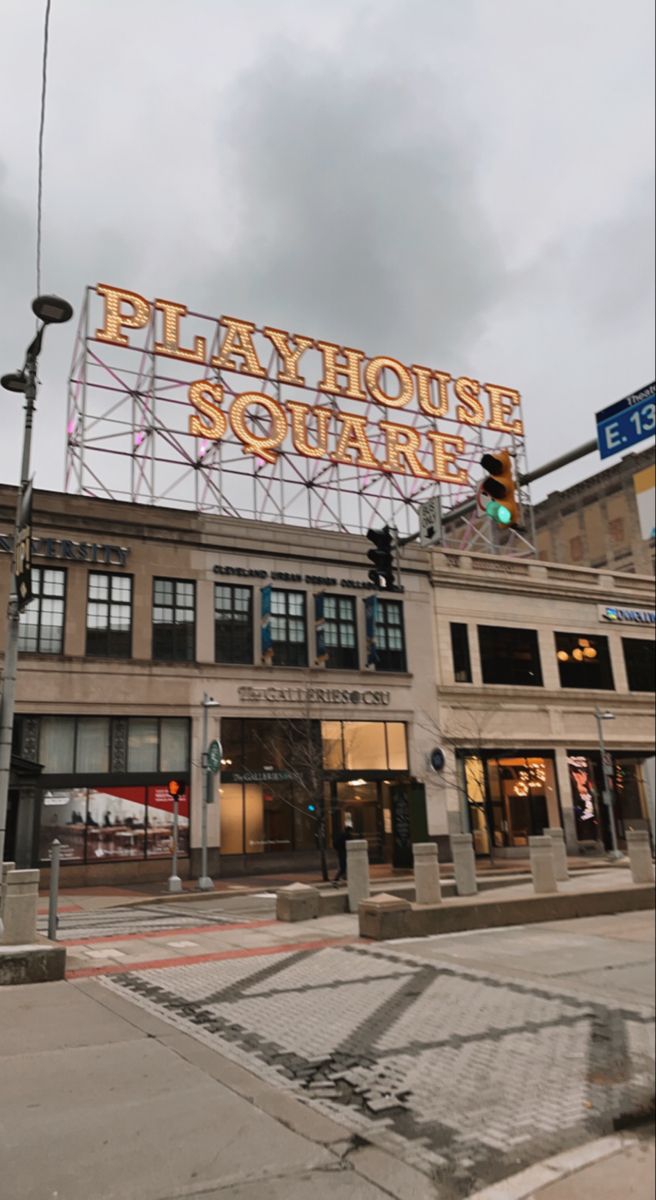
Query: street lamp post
[(607, 773), (50, 310), (205, 883)]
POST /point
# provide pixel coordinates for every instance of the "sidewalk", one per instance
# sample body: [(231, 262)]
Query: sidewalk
[(248, 1060), (622, 1167), (91, 898)]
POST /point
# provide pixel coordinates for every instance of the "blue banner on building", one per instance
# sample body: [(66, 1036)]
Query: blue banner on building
[(320, 630), (266, 640), (371, 618)]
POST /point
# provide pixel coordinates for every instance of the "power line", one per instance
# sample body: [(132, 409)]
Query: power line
[(39, 196)]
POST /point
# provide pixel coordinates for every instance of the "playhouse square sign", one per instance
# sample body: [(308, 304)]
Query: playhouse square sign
[(415, 407)]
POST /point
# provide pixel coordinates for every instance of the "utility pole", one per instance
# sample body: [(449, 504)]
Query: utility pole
[(205, 883), (50, 310), (607, 772)]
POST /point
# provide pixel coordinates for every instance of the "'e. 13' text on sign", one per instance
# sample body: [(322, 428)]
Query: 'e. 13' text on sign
[(627, 422), (316, 431)]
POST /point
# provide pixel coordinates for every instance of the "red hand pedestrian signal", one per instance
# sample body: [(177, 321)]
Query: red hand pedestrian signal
[(176, 788)]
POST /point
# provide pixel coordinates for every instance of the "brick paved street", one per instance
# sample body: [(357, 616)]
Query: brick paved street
[(469, 1074)]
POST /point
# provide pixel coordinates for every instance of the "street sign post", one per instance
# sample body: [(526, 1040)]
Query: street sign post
[(627, 422), (23, 551), (430, 522), (214, 754)]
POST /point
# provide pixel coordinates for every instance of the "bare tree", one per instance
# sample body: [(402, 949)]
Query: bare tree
[(298, 749), (465, 733)]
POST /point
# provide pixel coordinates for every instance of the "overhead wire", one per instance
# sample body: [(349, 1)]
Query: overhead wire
[(42, 121)]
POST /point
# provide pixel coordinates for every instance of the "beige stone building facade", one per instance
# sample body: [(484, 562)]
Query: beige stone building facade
[(333, 697), (595, 523)]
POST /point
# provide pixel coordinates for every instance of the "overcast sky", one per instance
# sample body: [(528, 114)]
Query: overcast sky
[(462, 183)]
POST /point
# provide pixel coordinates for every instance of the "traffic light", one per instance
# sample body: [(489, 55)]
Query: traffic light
[(383, 573), (176, 788), (501, 488)]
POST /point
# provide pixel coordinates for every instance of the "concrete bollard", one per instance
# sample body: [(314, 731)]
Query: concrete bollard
[(357, 872), (383, 917), (427, 874), (21, 903), (464, 863), (642, 867), (542, 864), (6, 868), (297, 902), (557, 836)]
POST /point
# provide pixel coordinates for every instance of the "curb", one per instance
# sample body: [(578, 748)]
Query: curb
[(529, 1183)]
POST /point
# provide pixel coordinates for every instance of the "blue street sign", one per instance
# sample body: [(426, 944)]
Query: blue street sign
[(627, 421)]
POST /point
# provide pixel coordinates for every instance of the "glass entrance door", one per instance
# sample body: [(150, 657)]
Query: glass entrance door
[(360, 803)]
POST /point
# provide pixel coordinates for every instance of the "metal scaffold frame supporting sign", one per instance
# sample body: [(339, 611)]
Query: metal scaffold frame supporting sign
[(172, 407)]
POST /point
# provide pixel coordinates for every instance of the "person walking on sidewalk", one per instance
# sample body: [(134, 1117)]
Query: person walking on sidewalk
[(340, 846)]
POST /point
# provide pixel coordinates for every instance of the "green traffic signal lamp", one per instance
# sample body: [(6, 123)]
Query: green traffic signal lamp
[(499, 512)]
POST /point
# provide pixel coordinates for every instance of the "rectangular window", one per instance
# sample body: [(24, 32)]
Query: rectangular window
[(233, 623), (112, 824), (510, 656), (583, 661), (57, 745), (41, 628), (390, 640), (288, 634), (109, 615), (460, 650), (92, 745), (174, 744), (174, 620), (364, 746), (143, 738), (339, 631), (616, 530), (640, 665)]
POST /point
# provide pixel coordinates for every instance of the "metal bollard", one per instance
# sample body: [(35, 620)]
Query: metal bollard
[(55, 853)]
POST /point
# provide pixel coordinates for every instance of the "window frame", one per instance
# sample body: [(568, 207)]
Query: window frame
[(248, 624), (643, 642), (287, 592), (37, 603), (339, 650), (512, 683), (584, 680), (385, 607), (111, 575), (172, 625), (465, 664)]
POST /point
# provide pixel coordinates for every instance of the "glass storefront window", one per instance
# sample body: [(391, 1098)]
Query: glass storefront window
[(364, 746), (116, 823), (332, 747), (112, 823), (142, 744), (56, 745), (585, 797), (174, 744), (64, 816), (397, 750), (475, 792), (92, 744), (232, 818), (520, 800), (630, 795)]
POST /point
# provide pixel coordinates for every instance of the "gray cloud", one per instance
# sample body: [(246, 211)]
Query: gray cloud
[(466, 185)]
